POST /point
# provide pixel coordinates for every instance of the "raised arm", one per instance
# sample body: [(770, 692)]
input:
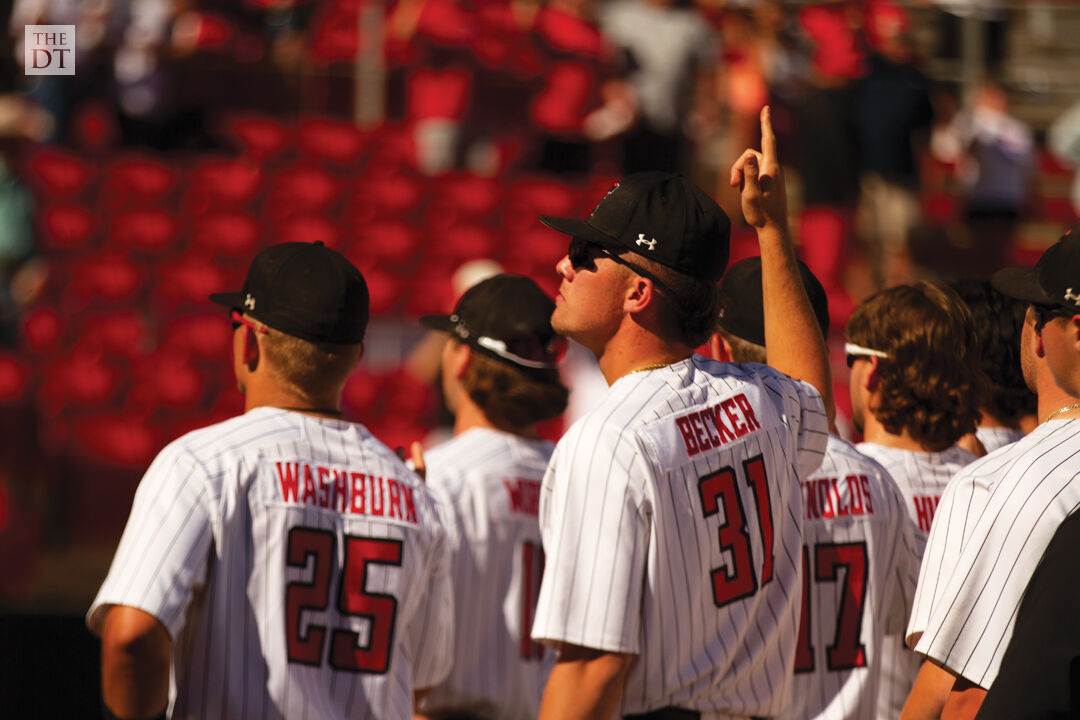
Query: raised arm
[(792, 336)]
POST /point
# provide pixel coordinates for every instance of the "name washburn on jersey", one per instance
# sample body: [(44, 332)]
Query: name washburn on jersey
[(299, 567), (671, 518)]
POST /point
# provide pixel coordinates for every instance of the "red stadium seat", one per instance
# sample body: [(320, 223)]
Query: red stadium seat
[(390, 243), (79, 379), (230, 233), (123, 333), (14, 378), (111, 277), (57, 174), (136, 180), (205, 336), (462, 197), (335, 33), (218, 183), (384, 197), (66, 228), (298, 190), (309, 228), (124, 439), (429, 291), (331, 140), (167, 379), (147, 230), (189, 281), (529, 197), (43, 330), (260, 137), (457, 244), (385, 289), (361, 394), (535, 251)]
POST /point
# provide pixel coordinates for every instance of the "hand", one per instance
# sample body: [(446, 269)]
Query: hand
[(415, 461), (760, 179)]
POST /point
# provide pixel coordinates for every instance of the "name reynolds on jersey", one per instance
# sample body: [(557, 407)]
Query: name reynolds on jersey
[(346, 491), (725, 422), (834, 497), (524, 496)]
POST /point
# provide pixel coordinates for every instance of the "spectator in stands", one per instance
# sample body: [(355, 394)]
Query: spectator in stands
[(671, 54), (995, 164), (892, 117), (1063, 140)]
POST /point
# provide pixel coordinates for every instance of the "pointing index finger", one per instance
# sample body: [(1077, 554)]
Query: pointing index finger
[(768, 138)]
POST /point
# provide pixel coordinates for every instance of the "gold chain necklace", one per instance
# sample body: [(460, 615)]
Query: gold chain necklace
[(1067, 408), (654, 366)]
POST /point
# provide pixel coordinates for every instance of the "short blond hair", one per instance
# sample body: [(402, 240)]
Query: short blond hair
[(307, 368)]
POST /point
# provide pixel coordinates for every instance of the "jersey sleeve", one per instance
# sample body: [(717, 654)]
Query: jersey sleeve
[(431, 631), (804, 411), (163, 556), (596, 540), (961, 505), (906, 569)]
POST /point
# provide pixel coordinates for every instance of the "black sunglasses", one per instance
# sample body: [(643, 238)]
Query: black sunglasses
[(583, 254)]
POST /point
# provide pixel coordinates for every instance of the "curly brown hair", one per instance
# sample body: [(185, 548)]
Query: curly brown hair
[(511, 397), (932, 382)]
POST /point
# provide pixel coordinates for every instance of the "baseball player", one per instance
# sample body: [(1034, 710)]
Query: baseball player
[(1010, 405), (499, 379), (916, 386), (1000, 512), (858, 554), (671, 514), (283, 563)]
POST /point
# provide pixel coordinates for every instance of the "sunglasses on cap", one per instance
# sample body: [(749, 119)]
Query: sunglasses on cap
[(853, 352), (238, 320), (583, 254), (1046, 313), (526, 350)]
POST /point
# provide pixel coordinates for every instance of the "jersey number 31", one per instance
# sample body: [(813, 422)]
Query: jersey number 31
[(720, 489)]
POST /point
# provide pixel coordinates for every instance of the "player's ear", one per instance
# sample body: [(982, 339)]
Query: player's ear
[(639, 294), (252, 351), (458, 358), (872, 377)]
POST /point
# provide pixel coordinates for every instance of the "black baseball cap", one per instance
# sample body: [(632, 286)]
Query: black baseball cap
[(305, 290), (508, 318), (743, 310), (1055, 279), (661, 216)]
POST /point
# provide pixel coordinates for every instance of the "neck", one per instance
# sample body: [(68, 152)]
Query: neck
[(275, 396), (1052, 398), (634, 348), (469, 416), (875, 432)]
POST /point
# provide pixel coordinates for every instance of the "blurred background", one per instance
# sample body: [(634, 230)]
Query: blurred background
[(922, 139)]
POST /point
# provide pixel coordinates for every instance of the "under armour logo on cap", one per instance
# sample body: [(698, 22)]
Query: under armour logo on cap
[(1070, 295), (651, 244), (249, 302)]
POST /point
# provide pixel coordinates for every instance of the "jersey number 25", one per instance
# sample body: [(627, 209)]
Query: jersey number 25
[(353, 599)]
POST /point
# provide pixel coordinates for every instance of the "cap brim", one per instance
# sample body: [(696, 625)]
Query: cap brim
[(1022, 284), (437, 322), (579, 229), (228, 299)]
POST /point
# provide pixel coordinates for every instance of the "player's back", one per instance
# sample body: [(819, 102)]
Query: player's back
[(688, 476), (492, 483), (321, 558), (921, 477), (859, 572)]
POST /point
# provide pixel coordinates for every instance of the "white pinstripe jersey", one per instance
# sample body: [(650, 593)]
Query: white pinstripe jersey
[(921, 477), (993, 438), (971, 623), (859, 572), (300, 569), (671, 517), (492, 480)]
